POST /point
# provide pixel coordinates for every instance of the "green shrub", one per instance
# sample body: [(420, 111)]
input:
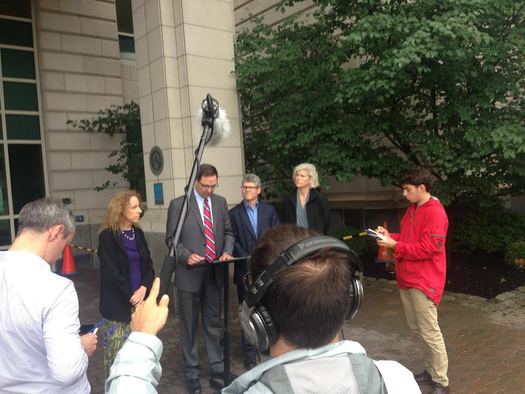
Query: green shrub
[(515, 255), (357, 244), (128, 161), (485, 226)]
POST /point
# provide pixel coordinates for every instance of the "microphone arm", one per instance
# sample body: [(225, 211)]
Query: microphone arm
[(210, 109)]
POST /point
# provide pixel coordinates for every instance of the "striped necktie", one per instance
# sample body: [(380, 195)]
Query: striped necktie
[(208, 233)]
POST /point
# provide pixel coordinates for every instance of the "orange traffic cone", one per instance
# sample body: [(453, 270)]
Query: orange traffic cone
[(384, 254), (68, 262)]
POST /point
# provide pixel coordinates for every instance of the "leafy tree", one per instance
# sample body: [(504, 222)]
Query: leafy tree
[(375, 87), (123, 120)]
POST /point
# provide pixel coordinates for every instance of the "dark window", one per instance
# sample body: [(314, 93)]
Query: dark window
[(23, 127), (126, 44), (3, 184), (20, 8), (20, 96), (18, 64), (20, 162), (27, 174), (16, 33), (354, 218), (124, 16), (5, 233), (378, 217), (126, 41)]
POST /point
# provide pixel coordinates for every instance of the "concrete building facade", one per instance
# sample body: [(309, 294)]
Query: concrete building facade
[(65, 60)]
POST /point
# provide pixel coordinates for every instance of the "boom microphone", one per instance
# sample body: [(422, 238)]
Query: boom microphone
[(215, 127), (213, 116)]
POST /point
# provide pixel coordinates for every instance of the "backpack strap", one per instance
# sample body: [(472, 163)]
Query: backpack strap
[(276, 379), (367, 375), (369, 380)]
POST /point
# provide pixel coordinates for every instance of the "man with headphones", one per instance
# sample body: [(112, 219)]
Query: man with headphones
[(300, 289)]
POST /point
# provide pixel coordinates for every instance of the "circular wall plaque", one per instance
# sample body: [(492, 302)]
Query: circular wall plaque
[(156, 160)]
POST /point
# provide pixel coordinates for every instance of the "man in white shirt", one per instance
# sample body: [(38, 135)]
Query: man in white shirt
[(40, 348)]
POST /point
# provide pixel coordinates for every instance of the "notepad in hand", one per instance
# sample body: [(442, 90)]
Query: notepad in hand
[(374, 234)]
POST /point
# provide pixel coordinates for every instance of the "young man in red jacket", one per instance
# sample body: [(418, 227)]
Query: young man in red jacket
[(420, 259)]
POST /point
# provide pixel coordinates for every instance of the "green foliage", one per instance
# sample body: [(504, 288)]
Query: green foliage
[(375, 87), (357, 244), (515, 255), (487, 227), (128, 161)]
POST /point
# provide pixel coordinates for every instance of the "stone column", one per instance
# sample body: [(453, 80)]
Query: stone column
[(184, 50)]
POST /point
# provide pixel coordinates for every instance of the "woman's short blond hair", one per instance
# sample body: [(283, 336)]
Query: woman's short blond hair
[(116, 208), (310, 169)]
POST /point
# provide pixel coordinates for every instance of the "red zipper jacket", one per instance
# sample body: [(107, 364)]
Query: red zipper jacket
[(420, 251)]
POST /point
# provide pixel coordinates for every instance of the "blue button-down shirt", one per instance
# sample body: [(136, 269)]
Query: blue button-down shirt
[(252, 215)]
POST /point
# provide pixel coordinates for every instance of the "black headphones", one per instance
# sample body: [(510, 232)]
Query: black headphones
[(256, 322)]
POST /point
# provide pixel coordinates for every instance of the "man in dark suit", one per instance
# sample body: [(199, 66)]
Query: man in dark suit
[(206, 236), (250, 219)]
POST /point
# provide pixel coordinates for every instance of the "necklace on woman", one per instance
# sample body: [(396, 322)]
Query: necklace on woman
[(132, 237)]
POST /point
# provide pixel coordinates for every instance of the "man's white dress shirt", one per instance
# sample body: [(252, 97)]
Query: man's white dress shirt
[(40, 349)]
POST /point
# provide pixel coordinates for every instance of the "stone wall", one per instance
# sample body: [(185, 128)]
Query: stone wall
[(80, 74)]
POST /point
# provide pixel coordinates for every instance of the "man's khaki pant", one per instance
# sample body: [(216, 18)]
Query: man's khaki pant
[(421, 314)]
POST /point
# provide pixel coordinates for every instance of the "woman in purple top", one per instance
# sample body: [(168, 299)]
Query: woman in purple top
[(126, 270)]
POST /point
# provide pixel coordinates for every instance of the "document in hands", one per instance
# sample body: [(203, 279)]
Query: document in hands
[(374, 234)]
